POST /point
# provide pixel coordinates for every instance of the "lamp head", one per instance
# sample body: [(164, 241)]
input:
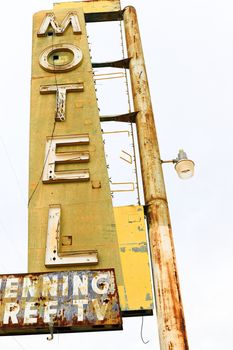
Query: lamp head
[(184, 166)]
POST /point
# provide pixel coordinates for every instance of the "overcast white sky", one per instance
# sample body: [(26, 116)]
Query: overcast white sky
[(188, 48)]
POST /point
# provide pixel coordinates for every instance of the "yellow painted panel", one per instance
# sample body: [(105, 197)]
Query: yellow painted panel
[(90, 6), (136, 294), (87, 216)]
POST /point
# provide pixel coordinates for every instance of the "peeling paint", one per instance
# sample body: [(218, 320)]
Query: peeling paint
[(77, 300), (148, 296), (141, 249)]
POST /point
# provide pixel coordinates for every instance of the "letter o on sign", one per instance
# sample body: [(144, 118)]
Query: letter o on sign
[(60, 58)]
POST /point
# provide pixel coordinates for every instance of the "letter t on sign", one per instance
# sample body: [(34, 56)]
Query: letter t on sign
[(60, 91)]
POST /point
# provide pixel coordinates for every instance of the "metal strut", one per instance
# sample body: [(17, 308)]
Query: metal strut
[(127, 117), (124, 63)]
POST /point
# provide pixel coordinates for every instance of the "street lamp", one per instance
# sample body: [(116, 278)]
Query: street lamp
[(170, 315), (183, 166)]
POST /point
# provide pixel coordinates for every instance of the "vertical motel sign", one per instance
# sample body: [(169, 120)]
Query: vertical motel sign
[(82, 251)]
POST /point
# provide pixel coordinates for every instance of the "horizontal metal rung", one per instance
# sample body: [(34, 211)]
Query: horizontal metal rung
[(127, 118), (103, 16), (115, 64)]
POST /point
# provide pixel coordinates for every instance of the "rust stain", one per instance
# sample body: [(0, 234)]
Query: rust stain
[(167, 292), (70, 308)]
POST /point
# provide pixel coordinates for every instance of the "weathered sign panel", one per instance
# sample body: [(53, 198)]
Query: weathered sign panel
[(69, 180), (67, 301), (73, 194)]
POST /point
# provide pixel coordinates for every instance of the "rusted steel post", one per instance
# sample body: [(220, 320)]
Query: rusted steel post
[(170, 315)]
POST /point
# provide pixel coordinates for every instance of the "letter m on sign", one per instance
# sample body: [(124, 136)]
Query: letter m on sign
[(49, 20)]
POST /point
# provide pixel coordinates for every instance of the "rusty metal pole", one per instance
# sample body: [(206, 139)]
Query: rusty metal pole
[(169, 307)]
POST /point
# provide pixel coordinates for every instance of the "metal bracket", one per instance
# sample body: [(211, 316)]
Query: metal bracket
[(124, 63), (103, 16), (127, 118)]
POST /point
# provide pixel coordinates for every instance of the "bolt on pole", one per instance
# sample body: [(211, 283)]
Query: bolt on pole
[(171, 323)]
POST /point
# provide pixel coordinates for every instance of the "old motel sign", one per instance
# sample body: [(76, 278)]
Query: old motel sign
[(65, 301), (72, 222), (71, 218)]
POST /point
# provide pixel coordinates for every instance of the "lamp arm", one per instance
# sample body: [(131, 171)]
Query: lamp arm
[(169, 161)]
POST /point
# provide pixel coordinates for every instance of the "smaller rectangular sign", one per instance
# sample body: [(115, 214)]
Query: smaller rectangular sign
[(70, 301)]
